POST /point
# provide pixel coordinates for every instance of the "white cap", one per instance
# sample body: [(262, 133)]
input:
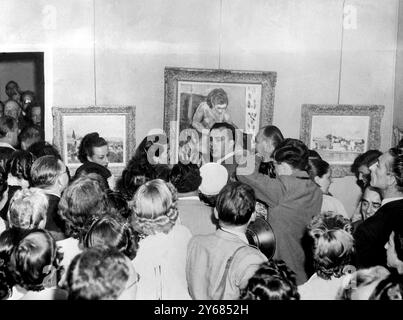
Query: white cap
[(214, 178)]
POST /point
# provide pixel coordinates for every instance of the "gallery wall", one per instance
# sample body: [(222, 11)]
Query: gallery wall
[(121, 60), (398, 105)]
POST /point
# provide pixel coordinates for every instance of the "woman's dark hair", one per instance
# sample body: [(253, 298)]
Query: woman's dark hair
[(118, 204), (19, 164), (8, 240), (293, 152), (272, 281), (208, 200), (273, 133), (236, 203), (43, 148), (81, 203), (35, 261), (139, 170), (3, 182), (317, 167), (115, 232), (314, 154), (96, 172), (365, 159), (216, 96), (397, 228), (185, 177), (90, 141)]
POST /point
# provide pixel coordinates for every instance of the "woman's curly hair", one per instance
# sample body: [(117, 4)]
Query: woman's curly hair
[(154, 207), (35, 262), (98, 273), (113, 231), (272, 281), (20, 163), (81, 202), (333, 244)]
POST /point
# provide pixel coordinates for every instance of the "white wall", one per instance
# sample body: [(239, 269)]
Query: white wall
[(135, 40)]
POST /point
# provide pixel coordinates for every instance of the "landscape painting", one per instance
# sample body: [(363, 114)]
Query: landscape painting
[(76, 127), (115, 124), (341, 132), (339, 139)]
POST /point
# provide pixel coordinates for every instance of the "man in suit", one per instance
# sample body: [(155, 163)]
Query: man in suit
[(372, 234), (50, 174), (227, 147), (293, 200), (8, 138)]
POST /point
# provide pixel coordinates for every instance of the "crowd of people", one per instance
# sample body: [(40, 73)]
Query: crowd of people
[(178, 232)]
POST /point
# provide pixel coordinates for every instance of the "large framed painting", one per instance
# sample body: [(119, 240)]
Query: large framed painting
[(197, 98), (115, 124), (339, 133)]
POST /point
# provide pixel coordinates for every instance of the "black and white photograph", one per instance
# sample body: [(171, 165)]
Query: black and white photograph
[(199, 154), (339, 139), (112, 128)]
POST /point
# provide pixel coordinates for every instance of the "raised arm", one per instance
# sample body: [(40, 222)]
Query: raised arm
[(268, 190)]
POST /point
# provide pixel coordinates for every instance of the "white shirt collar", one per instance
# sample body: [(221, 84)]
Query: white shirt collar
[(189, 198), (7, 145), (240, 235), (14, 181), (387, 200)]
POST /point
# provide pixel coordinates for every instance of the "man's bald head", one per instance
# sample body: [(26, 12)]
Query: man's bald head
[(12, 108)]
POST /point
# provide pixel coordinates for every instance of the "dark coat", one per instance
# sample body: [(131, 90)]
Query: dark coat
[(373, 233), (54, 223), (293, 201)]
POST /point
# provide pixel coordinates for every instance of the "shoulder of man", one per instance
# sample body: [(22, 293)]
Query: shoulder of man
[(245, 262)]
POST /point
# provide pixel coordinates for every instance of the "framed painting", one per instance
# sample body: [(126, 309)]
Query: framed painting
[(195, 99), (339, 133), (115, 124)]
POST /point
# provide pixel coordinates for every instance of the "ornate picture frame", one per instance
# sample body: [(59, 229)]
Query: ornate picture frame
[(250, 99), (339, 133), (115, 124)]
